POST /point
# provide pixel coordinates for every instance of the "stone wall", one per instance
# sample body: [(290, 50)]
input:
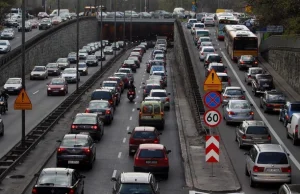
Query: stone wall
[(59, 44), (287, 64)]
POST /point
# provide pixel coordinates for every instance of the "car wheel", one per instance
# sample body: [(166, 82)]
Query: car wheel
[(240, 144), (260, 105), (2, 133), (236, 139), (252, 183), (287, 134), (295, 141), (246, 171), (279, 118), (90, 165), (48, 94), (265, 108)]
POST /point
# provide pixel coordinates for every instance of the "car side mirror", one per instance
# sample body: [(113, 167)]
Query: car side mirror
[(168, 151), (246, 153), (129, 132), (58, 141)]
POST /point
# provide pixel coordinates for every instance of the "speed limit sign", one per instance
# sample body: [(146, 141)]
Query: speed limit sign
[(212, 118)]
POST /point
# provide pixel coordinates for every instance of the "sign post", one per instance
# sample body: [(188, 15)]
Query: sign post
[(212, 117)]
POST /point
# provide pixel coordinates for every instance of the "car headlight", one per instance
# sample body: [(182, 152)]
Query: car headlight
[(62, 88), (49, 88), (54, 71)]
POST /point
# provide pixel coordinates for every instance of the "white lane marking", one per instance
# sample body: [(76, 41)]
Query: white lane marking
[(119, 155), (292, 157), (114, 174), (124, 140), (130, 118), (135, 102), (220, 48), (137, 96), (35, 92), (127, 128), (140, 86), (144, 75), (139, 91), (133, 110)]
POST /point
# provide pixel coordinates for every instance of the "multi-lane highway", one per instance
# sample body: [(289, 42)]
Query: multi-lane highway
[(17, 41), (42, 105), (227, 133), (112, 150)]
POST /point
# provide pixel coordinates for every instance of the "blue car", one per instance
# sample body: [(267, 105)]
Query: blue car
[(288, 109)]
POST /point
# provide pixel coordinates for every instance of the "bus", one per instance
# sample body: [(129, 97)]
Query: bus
[(221, 23), (228, 28), (241, 42), (92, 10)]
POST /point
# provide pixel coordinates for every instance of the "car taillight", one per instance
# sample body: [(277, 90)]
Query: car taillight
[(255, 62), (94, 127), (296, 129), (87, 110), (202, 53), (242, 62), (60, 150), (258, 169), (244, 137), (131, 141), (269, 137), (231, 113), (87, 150), (145, 91), (162, 113), (251, 113), (243, 97), (166, 160), (71, 191), (137, 161), (110, 102), (34, 190), (249, 76), (168, 99), (268, 105), (286, 169), (74, 126), (156, 141), (107, 112)]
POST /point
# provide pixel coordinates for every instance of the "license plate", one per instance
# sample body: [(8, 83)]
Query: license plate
[(273, 170), (151, 162), (147, 117), (266, 85), (55, 91), (100, 113), (130, 96), (257, 138), (10, 90), (276, 109), (73, 162)]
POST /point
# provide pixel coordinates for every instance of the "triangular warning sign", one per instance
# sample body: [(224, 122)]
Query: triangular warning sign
[(212, 82), (22, 102)]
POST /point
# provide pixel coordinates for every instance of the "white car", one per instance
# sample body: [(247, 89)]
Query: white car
[(163, 95), (8, 33), (13, 85), (204, 51), (82, 54), (209, 21), (70, 75), (39, 72), (197, 26), (5, 46), (108, 50)]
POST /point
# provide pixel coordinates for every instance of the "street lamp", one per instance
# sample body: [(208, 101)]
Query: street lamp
[(131, 22), (101, 38), (77, 47), (124, 26), (115, 29)]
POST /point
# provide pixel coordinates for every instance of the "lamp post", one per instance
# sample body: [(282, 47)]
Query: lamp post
[(45, 4), (145, 5), (101, 38), (58, 7), (23, 68), (77, 46), (124, 27), (115, 28), (131, 22)]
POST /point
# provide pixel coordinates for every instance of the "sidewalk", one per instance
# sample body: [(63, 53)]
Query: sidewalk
[(198, 173)]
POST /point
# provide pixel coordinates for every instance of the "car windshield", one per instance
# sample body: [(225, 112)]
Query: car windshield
[(128, 188), (257, 130), (159, 58), (205, 40), (74, 142), (124, 70), (39, 69), (272, 158), (82, 51), (145, 153), (72, 55), (206, 44), (158, 94), (256, 71), (159, 73), (98, 105), (144, 135), (199, 26), (214, 58), (276, 97), (295, 107), (157, 63), (3, 43), (62, 60), (208, 50), (149, 88), (234, 92), (85, 120), (69, 71), (82, 65), (52, 65), (57, 82), (239, 105), (54, 178), (105, 95), (13, 81)]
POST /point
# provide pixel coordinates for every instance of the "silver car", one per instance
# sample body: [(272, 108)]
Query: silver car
[(233, 92), (39, 72), (70, 75), (252, 132), (237, 111), (268, 163), (83, 68), (8, 33), (204, 51), (63, 63), (225, 79), (13, 85), (83, 53), (108, 50), (209, 21), (99, 57), (91, 60), (163, 95), (5, 46), (250, 74)]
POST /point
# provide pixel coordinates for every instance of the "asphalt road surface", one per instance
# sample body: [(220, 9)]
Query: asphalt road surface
[(112, 150), (227, 133), (42, 105)]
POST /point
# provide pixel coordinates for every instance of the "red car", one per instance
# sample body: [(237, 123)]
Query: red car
[(57, 86), (141, 135), (152, 158), (140, 50)]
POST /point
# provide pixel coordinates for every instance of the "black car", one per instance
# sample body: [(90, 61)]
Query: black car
[(72, 57), (76, 149), (104, 110), (58, 180), (136, 60), (104, 94), (247, 61), (89, 123), (262, 83), (272, 101), (129, 64)]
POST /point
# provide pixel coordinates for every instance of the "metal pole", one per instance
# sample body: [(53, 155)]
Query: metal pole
[(124, 28), (145, 5), (45, 6), (101, 38), (140, 5), (131, 22), (218, 4), (115, 28), (77, 46), (23, 67), (58, 7)]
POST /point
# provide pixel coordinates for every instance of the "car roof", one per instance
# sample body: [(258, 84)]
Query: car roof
[(125, 68), (152, 84), (158, 90), (102, 89), (39, 66), (254, 123), (151, 146), (216, 64), (98, 101), (150, 102), (212, 54), (274, 92), (270, 148), (153, 98), (87, 114), (120, 73), (233, 88), (144, 128), (109, 81), (17, 78), (204, 47), (251, 68), (74, 136), (135, 177), (114, 77), (70, 69), (57, 170), (235, 100), (205, 37)]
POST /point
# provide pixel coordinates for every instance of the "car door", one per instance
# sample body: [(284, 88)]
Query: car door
[(154, 185), (240, 131), (289, 126), (77, 182), (263, 99)]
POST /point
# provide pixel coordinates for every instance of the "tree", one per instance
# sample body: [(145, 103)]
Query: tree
[(5, 6)]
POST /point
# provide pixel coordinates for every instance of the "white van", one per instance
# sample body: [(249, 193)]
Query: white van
[(292, 128), (55, 12)]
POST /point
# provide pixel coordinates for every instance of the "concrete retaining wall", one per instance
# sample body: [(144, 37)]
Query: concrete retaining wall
[(59, 44)]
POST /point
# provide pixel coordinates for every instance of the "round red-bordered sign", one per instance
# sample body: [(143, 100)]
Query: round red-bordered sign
[(212, 118), (212, 100)]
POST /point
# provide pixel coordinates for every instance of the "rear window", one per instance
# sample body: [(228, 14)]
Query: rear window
[(85, 120), (56, 179), (209, 19), (199, 26), (208, 50), (151, 154), (98, 105), (295, 107), (202, 33), (218, 68), (272, 158), (256, 71), (74, 142), (149, 88), (234, 92), (158, 94), (147, 109), (214, 58), (126, 188), (101, 95), (157, 68), (258, 130), (108, 84), (223, 78), (124, 70), (144, 135)]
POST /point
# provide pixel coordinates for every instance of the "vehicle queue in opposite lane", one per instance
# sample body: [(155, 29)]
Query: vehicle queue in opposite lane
[(270, 100), (78, 148)]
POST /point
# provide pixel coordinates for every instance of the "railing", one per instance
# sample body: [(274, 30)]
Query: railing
[(280, 42)]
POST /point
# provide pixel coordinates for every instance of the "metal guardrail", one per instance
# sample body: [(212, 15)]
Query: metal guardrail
[(18, 153), (197, 99), (280, 42), (29, 43)]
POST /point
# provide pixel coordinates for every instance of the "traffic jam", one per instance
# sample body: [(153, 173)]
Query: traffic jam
[(244, 103), (77, 149)]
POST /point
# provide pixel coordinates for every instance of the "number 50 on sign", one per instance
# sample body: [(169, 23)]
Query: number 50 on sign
[(212, 118)]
